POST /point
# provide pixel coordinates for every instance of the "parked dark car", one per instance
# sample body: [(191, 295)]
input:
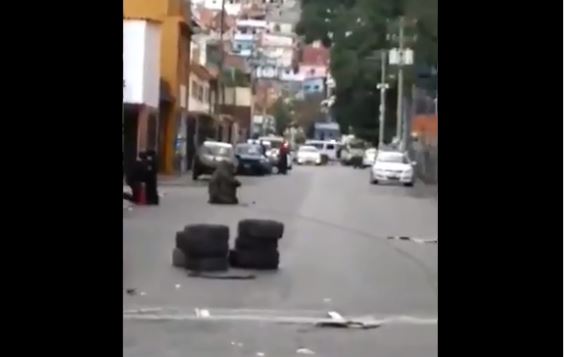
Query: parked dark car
[(252, 160), (209, 155)]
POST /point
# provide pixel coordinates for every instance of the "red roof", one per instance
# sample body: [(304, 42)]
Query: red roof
[(317, 56)]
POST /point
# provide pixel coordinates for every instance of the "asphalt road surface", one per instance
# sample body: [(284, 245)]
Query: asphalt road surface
[(335, 256)]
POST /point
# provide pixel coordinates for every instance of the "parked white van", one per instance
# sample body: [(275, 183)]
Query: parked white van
[(328, 148)]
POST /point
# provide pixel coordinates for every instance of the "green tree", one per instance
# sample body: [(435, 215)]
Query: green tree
[(283, 117), (354, 29)]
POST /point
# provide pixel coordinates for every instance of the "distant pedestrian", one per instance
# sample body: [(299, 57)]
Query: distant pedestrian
[(283, 158), (150, 163)]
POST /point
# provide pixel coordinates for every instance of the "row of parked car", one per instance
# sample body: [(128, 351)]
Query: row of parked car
[(255, 157)]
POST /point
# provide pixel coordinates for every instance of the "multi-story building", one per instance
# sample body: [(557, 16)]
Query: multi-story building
[(246, 35), (176, 31), (141, 69), (279, 47), (232, 7), (315, 61)]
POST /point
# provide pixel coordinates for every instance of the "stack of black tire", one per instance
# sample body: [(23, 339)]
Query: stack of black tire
[(202, 247), (256, 245)]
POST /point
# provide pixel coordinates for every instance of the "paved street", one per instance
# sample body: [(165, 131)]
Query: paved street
[(334, 256)]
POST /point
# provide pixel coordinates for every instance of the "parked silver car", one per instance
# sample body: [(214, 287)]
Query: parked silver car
[(209, 155)]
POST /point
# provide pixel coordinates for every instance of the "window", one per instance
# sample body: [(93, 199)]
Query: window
[(200, 93), (316, 87), (312, 71), (194, 90), (306, 87)]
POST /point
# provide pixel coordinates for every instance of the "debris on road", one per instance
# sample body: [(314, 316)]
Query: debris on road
[(338, 321), (222, 276), (177, 286), (415, 240), (260, 354), (202, 313), (334, 315), (143, 293), (305, 351), (327, 300), (131, 291), (365, 325)]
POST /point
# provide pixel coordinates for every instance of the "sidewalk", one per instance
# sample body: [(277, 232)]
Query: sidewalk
[(175, 180)]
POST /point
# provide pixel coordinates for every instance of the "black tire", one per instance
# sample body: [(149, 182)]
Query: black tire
[(204, 240), (409, 184), (261, 260), (207, 264), (249, 243), (260, 228), (179, 258)]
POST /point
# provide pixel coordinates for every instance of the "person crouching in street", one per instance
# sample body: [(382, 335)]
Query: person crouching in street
[(222, 188)]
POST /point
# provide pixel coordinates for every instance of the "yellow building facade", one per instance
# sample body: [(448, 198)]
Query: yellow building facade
[(176, 31)]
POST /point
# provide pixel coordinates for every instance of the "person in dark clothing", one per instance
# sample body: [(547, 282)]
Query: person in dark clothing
[(283, 159), (222, 188), (150, 163), (134, 179)]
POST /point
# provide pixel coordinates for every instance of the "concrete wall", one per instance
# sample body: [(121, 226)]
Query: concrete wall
[(239, 96), (309, 71), (313, 85), (276, 40), (232, 9), (288, 75), (196, 104), (141, 62), (152, 9)]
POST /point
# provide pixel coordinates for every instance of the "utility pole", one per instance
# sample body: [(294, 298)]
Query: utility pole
[(222, 58), (400, 78), (383, 86)]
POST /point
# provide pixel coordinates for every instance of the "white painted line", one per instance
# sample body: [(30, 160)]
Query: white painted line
[(201, 314), (143, 310), (305, 351)]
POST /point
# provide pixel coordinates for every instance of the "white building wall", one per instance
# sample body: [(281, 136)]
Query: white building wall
[(141, 62), (152, 65), (233, 8), (240, 96), (194, 104)]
